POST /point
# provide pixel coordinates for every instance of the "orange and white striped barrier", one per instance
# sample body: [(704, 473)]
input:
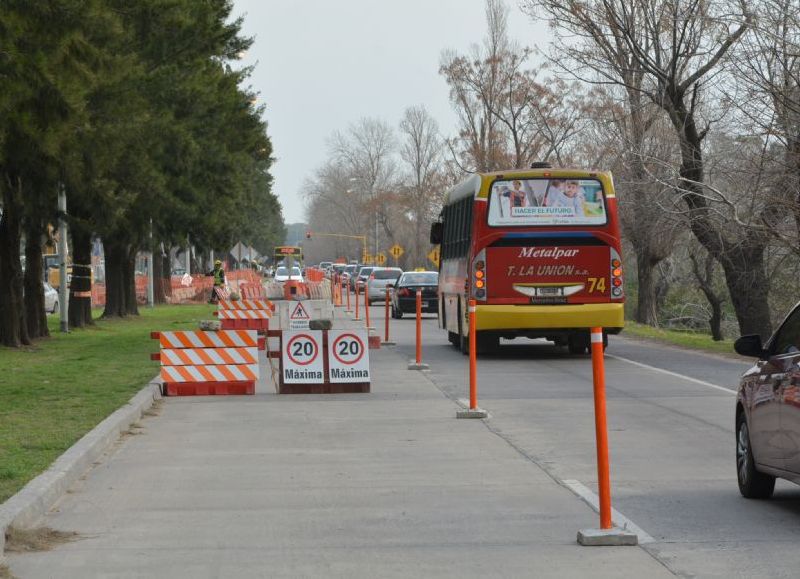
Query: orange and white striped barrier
[(197, 363), (202, 339), (247, 304), (245, 314)]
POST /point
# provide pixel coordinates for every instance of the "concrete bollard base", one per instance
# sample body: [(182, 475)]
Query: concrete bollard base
[(472, 413), (415, 366), (615, 537)]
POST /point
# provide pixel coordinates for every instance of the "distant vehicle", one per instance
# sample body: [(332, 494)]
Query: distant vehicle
[(768, 410), (179, 271), (540, 251), (404, 297), (363, 275), (50, 299), (338, 267), (323, 265), (282, 274), (378, 279)]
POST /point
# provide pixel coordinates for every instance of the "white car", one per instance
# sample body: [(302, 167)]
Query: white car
[(50, 299), (282, 274)]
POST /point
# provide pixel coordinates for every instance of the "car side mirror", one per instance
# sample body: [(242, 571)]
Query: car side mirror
[(436, 233), (749, 346)]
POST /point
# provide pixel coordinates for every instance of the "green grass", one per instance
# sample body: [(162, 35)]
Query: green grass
[(687, 339), (55, 392)]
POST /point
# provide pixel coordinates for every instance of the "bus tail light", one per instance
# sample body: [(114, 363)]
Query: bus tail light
[(479, 276), (616, 276)]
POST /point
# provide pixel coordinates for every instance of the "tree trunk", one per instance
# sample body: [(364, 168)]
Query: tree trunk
[(161, 279), (35, 315), (748, 286), (647, 303), (129, 278), (116, 295), (13, 330), (741, 260), (80, 306)]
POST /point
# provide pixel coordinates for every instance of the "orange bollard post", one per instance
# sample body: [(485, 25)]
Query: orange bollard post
[(386, 341), (366, 307), (601, 428), (607, 534), (418, 365), (348, 310), (357, 319), (473, 411), (473, 363)]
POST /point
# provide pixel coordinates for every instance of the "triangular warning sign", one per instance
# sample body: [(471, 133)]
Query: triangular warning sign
[(299, 313)]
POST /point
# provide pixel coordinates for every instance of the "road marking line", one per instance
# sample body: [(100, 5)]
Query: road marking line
[(617, 518), (675, 374)]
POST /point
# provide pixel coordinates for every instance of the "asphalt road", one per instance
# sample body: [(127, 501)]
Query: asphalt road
[(671, 429)]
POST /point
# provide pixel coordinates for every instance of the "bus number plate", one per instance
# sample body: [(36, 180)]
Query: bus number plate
[(548, 291)]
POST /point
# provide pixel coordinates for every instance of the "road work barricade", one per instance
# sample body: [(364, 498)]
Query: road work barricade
[(245, 314), (200, 363), (321, 361)]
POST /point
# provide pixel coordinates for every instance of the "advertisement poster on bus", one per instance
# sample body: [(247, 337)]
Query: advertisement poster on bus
[(546, 202)]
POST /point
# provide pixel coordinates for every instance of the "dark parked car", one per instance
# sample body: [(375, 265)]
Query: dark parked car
[(768, 410), (404, 297)]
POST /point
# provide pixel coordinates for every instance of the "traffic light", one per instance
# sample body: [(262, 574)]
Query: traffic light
[(308, 235)]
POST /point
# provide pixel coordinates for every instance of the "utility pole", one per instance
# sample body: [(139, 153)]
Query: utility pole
[(63, 293)]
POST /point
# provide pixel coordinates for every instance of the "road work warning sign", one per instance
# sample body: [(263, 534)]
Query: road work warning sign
[(348, 356), (302, 357), (298, 317)]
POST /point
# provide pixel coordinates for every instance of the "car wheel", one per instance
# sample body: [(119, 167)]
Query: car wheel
[(55, 307), (399, 313), (452, 337), (752, 483)]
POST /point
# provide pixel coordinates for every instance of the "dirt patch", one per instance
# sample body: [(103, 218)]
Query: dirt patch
[(155, 409), (5, 572), (40, 539)]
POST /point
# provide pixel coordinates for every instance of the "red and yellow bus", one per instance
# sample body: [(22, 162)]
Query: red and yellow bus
[(539, 251)]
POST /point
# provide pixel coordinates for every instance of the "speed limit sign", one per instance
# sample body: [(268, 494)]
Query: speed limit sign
[(348, 356), (302, 357)]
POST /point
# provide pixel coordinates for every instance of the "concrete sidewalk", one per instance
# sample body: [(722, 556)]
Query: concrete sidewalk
[(386, 484)]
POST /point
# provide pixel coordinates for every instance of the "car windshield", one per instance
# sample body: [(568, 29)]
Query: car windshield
[(422, 278), (386, 274), (281, 271), (296, 271), (365, 271)]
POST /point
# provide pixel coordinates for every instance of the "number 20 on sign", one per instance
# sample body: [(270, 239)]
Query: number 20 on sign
[(302, 357)]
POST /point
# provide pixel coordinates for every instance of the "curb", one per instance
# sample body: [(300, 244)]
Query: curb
[(30, 504)]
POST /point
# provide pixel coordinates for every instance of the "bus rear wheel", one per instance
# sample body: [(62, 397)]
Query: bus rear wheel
[(487, 342), (578, 344)]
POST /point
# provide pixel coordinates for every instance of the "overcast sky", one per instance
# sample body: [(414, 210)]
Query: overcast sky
[(322, 64)]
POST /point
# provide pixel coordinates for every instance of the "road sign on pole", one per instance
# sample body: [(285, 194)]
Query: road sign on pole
[(433, 255), (380, 259), (396, 252)]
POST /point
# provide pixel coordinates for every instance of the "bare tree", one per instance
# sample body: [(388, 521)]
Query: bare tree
[(367, 151), (421, 151), (678, 49), (476, 86)]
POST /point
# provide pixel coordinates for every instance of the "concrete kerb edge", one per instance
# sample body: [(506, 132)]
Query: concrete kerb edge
[(30, 504)]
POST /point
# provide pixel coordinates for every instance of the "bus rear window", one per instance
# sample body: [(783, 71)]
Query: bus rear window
[(532, 202)]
